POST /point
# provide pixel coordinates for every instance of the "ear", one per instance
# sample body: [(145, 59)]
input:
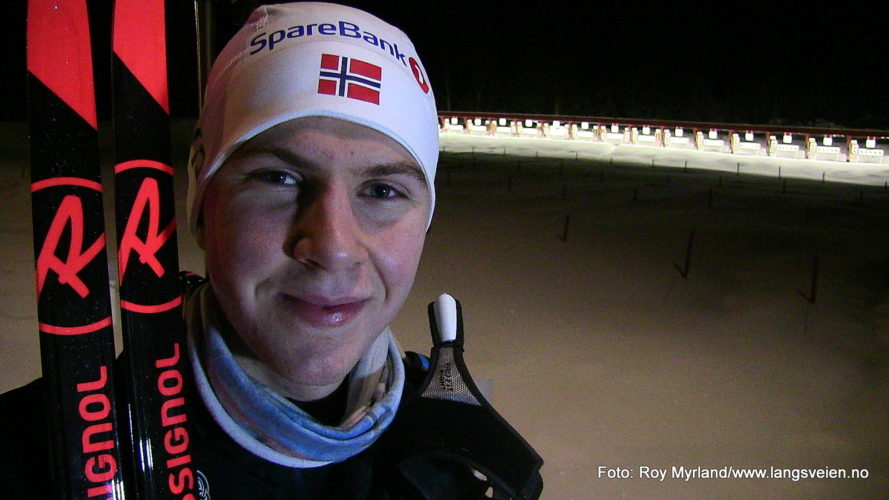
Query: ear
[(199, 233)]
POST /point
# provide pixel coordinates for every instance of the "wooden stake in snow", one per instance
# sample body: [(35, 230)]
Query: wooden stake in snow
[(564, 236), (810, 298), (683, 271)]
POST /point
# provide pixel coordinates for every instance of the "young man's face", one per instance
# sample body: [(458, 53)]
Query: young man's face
[(313, 231)]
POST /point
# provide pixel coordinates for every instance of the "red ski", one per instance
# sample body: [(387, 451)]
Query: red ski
[(148, 260), (73, 300)]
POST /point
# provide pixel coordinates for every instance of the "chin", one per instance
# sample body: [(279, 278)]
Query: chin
[(310, 366)]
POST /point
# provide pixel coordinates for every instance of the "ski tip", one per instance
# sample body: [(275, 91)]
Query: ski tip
[(139, 41), (58, 53), (445, 308)]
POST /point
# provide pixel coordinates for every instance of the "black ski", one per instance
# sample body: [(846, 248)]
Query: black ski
[(73, 300), (148, 259)]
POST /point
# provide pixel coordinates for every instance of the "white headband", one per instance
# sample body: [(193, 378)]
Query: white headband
[(313, 59)]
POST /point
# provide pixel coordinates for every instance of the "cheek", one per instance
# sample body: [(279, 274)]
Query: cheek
[(399, 261), (238, 241)]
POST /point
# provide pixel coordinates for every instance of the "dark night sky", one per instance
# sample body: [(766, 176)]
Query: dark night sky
[(776, 63)]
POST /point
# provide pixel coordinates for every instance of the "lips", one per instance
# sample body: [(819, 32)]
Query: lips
[(322, 312)]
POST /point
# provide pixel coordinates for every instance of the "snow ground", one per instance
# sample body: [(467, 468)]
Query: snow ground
[(599, 351)]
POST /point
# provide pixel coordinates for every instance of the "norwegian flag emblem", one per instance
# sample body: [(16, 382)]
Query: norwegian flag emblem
[(350, 77)]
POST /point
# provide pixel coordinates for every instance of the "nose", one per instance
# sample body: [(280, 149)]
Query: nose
[(326, 234)]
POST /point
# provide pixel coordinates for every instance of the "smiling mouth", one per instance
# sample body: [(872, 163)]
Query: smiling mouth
[(326, 314)]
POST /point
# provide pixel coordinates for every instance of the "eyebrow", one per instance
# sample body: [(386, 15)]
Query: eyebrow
[(398, 168), (408, 168)]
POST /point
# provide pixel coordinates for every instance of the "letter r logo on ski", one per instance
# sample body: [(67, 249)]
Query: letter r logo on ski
[(70, 213), (148, 199), (350, 77)]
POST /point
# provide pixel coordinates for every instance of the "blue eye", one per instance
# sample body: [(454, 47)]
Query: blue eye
[(383, 191), (281, 177)]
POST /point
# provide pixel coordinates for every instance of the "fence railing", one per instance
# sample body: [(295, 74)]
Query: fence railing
[(842, 145)]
